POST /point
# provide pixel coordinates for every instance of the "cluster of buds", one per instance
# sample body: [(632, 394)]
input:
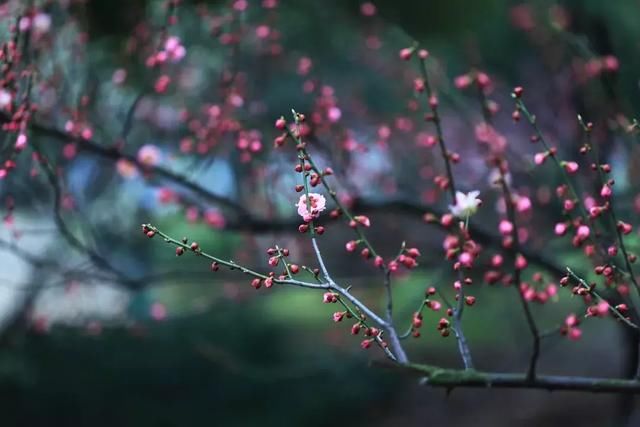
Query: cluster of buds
[(570, 328), (416, 324), (257, 282), (277, 254), (172, 51), (481, 79), (596, 66), (533, 293), (407, 258), (374, 334), (406, 53), (444, 326), (79, 128), (601, 309), (148, 231), (330, 297)]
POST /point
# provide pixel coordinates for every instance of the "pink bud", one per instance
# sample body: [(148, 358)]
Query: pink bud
[(413, 252), (569, 205), (405, 54), (521, 262), (435, 305), (575, 334), (602, 308), (363, 220), (571, 167), (505, 227), (583, 232), (605, 191), (466, 259), (624, 227), (483, 80), (571, 320), (560, 229), (281, 124), (366, 343), (462, 82), (539, 158), (497, 260), (21, 142), (611, 63), (329, 297)]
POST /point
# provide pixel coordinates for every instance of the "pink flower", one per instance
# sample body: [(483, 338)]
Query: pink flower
[(125, 168), (149, 155), (316, 202)]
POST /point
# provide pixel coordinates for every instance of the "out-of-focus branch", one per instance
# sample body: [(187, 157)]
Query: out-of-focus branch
[(458, 378), (432, 102)]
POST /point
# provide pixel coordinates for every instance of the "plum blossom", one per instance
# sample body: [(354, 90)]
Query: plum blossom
[(149, 155), (317, 202), (5, 98), (174, 50), (42, 23), (466, 204)]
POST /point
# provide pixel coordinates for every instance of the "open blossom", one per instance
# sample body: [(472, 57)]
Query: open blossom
[(5, 98), (317, 202), (466, 204), (174, 50), (149, 155)]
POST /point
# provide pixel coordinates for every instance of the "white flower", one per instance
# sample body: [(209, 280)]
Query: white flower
[(5, 98), (42, 22), (466, 204)]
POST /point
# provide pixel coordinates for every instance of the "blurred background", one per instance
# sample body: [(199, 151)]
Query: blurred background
[(101, 326)]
